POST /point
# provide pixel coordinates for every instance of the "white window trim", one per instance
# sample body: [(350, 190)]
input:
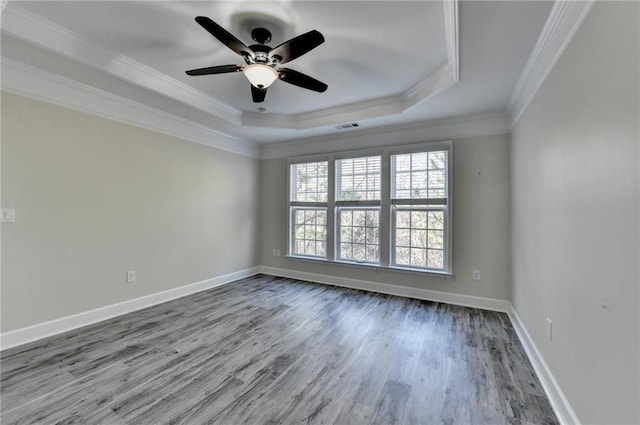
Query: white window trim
[(386, 241), (306, 204)]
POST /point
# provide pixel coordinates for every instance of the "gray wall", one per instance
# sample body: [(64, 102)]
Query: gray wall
[(95, 198), (575, 217), (480, 224)]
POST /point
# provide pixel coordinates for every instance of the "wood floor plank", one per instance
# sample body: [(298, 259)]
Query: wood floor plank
[(269, 350), (73, 402), (21, 386)]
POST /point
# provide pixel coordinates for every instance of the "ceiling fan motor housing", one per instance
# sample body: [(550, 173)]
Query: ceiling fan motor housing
[(261, 35)]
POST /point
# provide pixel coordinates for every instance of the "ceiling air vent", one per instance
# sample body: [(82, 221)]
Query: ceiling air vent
[(346, 126)]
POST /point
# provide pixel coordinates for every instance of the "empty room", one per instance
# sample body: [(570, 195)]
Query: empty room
[(320, 212)]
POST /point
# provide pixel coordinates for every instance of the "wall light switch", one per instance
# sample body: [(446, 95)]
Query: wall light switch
[(131, 276), (7, 215)]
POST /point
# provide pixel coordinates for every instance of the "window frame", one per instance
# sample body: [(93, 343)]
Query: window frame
[(363, 204), (424, 203), (292, 205), (386, 205)]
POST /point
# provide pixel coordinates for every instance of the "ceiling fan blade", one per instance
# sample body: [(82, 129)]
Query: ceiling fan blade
[(257, 94), (225, 37), (297, 46), (301, 80), (220, 69)]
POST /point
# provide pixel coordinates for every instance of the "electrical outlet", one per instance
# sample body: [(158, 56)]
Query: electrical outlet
[(549, 329), (476, 275), (131, 276)]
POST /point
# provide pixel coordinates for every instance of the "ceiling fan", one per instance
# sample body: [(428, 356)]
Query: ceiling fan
[(261, 61)]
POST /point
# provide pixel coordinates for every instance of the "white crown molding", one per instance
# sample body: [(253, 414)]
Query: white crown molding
[(449, 73), (564, 20), (36, 30), (34, 83), (439, 80), (559, 402), (451, 29), (482, 124), (43, 330), (327, 117), (442, 78)]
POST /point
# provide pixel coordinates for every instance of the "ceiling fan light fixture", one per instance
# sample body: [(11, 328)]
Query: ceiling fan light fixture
[(260, 76)]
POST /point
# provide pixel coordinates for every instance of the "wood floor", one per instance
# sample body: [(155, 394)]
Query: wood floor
[(269, 350)]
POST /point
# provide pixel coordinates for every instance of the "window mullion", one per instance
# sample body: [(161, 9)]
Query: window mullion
[(438, 202), (357, 204), (449, 213), (308, 204), (331, 210), (385, 211)]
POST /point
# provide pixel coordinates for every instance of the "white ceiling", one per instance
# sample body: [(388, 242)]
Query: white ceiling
[(386, 63)]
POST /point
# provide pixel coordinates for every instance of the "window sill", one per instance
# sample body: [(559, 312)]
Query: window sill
[(430, 273)]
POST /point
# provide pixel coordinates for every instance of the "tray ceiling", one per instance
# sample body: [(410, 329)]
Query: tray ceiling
[(385, 62)]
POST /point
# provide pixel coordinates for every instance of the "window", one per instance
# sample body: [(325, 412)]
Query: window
[(419, 206), (308, 208), (388, 208), (358, 209)]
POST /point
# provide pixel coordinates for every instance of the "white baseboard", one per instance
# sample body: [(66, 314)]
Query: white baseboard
[(385, 288), (556, 397), (558, 401), (53, 327)]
